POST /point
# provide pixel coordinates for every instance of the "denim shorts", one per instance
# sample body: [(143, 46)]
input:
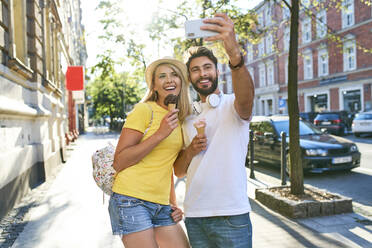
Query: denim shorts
[(220, 232), (129, 214)]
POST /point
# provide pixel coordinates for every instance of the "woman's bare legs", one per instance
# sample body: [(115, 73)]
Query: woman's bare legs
[(142, 239), (171, 237)]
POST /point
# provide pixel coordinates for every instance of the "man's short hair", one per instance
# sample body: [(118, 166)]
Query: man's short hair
[(195, 52)]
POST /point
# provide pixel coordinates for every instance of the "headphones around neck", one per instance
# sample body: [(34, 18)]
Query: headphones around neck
[(213, 100)]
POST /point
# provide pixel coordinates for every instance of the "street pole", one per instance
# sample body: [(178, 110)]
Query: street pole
[(251, 154), (284, 158)]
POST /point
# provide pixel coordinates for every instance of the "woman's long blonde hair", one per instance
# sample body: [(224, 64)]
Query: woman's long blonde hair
[(183, 104)]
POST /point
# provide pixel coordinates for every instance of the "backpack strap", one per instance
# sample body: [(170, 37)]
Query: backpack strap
[(152, 117)]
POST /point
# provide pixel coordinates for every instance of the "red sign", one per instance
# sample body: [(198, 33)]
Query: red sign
[(75, 78)]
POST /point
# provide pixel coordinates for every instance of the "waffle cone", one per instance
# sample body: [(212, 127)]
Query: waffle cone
[(171, 106), (200, 130)]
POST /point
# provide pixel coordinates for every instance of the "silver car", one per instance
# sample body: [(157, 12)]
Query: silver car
[(362, 123)]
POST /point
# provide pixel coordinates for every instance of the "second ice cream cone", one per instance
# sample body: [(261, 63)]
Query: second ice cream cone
[(200, 126), (200, 130)]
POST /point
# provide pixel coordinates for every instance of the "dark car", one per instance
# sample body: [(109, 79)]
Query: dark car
[(337, 122), (308, 116), (320, 151)]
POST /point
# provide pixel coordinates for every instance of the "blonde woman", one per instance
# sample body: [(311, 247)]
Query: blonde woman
[(143, 206)]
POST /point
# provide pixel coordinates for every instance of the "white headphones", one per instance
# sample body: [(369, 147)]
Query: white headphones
[(213, 100)]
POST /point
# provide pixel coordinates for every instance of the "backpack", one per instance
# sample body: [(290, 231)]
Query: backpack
[(102, 160), (103, 172)]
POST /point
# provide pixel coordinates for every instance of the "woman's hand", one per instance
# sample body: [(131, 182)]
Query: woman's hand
[(176, 214), (168, 124)]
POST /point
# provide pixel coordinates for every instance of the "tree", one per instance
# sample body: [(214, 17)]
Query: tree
[(164, 23), (111, 91), (296, 171)]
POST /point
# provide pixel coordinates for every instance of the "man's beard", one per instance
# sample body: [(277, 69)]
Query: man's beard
[(207, 91)]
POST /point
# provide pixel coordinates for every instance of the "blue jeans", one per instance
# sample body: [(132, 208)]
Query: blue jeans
[(220, 232), (129, 214)]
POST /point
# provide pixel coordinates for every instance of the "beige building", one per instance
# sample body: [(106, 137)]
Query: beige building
[(38, 40)]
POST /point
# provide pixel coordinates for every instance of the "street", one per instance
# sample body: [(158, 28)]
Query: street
[(364, 144), (72, 213), (355, 184)]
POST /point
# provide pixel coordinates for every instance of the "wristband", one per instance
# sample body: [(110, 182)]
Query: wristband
[(240, 64)]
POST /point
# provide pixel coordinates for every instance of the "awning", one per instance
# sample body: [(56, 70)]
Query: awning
[(75, 78)]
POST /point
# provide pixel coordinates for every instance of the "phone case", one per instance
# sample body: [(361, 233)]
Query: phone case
[(192, 29)]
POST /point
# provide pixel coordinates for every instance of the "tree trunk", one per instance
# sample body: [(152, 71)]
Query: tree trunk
[(296, 171)]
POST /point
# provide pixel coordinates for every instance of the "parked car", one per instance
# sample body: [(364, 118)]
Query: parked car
[(337, 122), (362, 123), (308, 116), (320, 151)]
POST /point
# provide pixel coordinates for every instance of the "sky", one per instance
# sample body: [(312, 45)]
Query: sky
[(137, 13)]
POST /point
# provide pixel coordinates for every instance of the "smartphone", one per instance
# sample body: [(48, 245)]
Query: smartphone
[(192, 29)]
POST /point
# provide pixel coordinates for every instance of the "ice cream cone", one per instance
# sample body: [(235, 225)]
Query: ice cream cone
[(171, 106), (200, 130), (171, 101), (200, 126)]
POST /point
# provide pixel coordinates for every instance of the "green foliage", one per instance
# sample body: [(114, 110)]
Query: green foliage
[(163, 24), (114, 95)]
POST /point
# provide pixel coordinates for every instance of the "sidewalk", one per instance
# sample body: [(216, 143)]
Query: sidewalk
[(72, 214)]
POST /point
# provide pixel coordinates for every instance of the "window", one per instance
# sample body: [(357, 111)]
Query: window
[(306, 3), (262, 75), (318, 103), (261, 50), (229, 88), (286, 39), (323, 62), (268, 15), (308, 65), (306, 30), (269, 44), (321, 24), (19, 39), (349, 55), (352, 100), (260, 19), (251, 72), (270, 73), (286, 12), (249, 52), (51, 49), (347, 13)]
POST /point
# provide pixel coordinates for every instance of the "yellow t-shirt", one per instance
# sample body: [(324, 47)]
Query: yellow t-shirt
[(150, 178)]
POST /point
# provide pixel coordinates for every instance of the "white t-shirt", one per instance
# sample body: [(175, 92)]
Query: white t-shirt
[(216, 182)]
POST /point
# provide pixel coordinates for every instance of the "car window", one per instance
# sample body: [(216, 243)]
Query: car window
[(327, 117), (306, 128), (363, 117), (266, 127)]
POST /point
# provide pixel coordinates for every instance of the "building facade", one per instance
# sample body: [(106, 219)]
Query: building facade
[(38, 40), (334, 62)]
